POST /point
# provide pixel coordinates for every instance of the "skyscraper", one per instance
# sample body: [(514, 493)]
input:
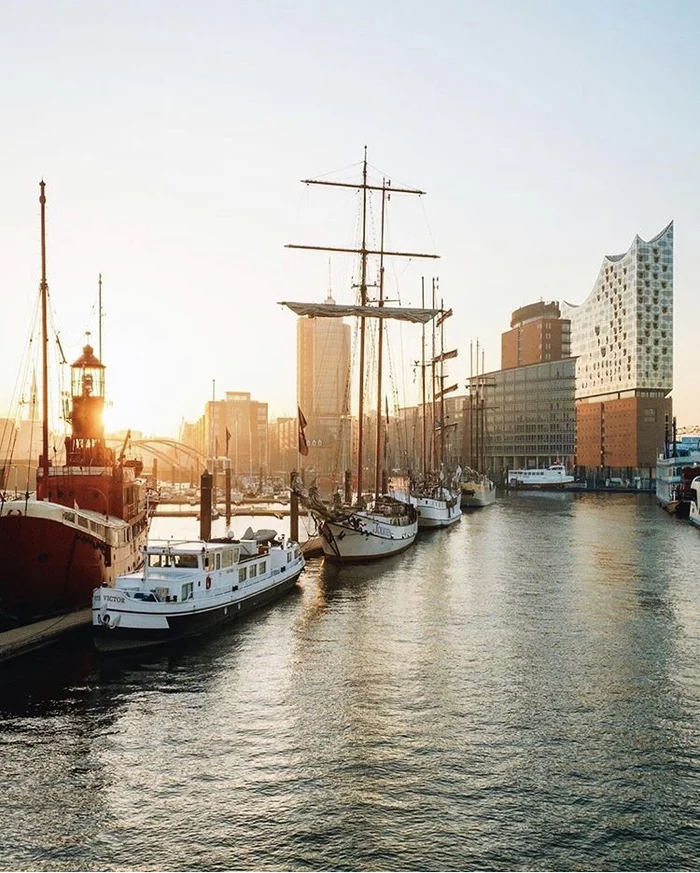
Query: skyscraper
[(323, 366), (323, 388), (622, 337)]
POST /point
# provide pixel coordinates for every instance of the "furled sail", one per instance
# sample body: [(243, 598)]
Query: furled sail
[(337, 310)]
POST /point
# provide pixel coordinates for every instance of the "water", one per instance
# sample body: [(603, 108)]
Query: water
[(518, 692)]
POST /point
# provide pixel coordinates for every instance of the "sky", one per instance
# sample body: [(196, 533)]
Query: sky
[(173, 136)]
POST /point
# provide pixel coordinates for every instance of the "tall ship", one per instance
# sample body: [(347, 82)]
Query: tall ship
[(374, 524), (436, 499), (88, 519), (478, 489)]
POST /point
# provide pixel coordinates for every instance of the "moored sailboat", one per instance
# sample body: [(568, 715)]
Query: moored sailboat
[(89, 517), (376, 526), (437, 502)]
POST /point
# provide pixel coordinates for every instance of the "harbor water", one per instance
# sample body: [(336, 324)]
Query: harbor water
[(520, 691)]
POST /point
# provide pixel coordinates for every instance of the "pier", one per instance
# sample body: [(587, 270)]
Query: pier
[(21, 640)]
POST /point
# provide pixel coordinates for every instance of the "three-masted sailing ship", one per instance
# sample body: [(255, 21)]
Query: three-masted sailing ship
[(436, 499), (377, 525), (89, 518)]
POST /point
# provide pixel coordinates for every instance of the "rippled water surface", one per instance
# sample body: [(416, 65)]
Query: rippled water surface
[(521, 691)]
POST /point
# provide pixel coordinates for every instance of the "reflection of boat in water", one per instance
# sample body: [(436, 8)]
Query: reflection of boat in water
[(554, 476), (477, 490), (379, 525), (186, 588), (89, 516)]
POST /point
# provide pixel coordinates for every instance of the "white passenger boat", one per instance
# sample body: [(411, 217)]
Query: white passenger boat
[(477, 490), (187, 587), (554, 476)]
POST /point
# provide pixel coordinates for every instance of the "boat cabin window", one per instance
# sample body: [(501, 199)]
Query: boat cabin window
[(242, 574), (263, 567), (218, 560), (253, 572), (187, 591), (227, 558), (187, 561)]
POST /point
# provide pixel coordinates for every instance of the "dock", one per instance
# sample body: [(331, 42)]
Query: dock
[(185, 511), (21, 640)]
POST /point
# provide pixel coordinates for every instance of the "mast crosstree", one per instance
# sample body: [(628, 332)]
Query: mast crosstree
[(365, 309)]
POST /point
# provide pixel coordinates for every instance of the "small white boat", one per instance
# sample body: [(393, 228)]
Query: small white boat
[(553, 476), (694, 510), (187, 587), (477, 490)]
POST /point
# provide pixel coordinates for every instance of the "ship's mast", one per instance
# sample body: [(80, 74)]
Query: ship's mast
[(364, 253), (99, 315), (380, 346), (442, 385), (432, 393), (422, 379), (44, 346), (363, 302)]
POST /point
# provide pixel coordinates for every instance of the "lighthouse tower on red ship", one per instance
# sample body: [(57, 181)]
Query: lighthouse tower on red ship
[(89, 519)]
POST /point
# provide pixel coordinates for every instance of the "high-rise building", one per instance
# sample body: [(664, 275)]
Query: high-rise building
[(622, 338), (323, 391), (323, 366), (537, 334)]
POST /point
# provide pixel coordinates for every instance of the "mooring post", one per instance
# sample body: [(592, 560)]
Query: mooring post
[(293, 509), (228, 490), (205, 486)]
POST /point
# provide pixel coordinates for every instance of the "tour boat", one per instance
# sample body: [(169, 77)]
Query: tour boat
[(694, 508), (89, 518), (379, 525), (185, 588), (477, 490), (554, 476)]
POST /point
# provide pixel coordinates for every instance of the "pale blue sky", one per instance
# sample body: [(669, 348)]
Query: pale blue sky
[(172, 137)]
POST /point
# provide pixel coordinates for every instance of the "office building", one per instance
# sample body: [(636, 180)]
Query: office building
[(622, 338), (537, 334)]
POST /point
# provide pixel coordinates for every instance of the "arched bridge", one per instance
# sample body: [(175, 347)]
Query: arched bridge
[(167, 451)]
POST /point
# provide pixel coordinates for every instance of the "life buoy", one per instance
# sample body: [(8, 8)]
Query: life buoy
[(208, 582)]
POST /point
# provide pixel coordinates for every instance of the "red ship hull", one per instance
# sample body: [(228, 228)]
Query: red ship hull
[(47, 567)]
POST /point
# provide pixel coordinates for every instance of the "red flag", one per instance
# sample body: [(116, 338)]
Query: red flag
[(303, 445)]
